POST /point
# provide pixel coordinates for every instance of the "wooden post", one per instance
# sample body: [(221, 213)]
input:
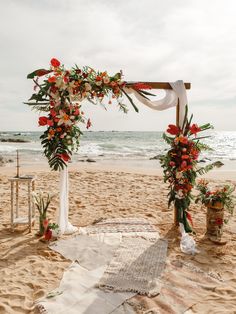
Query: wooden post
[(33, 190), (12, 206), (176, 223), (17, 164), (29, 205), (17, 199)]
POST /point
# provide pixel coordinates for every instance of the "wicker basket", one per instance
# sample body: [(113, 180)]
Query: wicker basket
[(215, 219)]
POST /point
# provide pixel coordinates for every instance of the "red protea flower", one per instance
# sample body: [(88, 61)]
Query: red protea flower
[(43, 121), (173, 129), (55, 63), (194, 129)]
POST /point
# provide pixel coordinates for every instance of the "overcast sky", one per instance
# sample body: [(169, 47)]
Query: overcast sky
[(150, 40)]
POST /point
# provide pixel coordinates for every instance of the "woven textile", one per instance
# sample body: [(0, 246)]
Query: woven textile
[(136, 266), (120, 225)]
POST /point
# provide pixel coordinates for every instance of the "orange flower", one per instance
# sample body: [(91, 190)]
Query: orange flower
[(52, 79), (183, 139)]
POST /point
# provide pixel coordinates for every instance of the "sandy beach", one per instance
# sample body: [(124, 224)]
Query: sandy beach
[(29, 269)]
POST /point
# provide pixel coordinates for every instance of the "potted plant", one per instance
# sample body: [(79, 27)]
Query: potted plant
[(42, 201), (217, 200)]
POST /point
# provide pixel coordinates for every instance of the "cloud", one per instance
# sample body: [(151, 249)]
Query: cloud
[(148, 40)]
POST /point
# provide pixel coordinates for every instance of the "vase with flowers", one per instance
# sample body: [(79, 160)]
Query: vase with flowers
[(216, 200)]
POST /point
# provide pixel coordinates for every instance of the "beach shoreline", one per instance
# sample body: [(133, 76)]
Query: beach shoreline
[(148, 167)]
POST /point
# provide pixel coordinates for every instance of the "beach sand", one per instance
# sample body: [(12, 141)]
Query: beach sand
[(29, 270)]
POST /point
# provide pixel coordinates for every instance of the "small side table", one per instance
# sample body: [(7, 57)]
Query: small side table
[(15, 217)]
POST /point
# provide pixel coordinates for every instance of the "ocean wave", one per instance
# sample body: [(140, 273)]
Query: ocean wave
[(124, 144)]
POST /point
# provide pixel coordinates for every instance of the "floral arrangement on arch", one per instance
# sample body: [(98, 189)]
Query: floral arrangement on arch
[(180, 165), (58, 92), (212, 196)]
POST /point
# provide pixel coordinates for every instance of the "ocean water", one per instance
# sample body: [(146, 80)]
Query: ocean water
[(120, 145)]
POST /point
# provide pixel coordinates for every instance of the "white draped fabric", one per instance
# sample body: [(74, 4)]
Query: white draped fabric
[(171, 98), (62, 218)]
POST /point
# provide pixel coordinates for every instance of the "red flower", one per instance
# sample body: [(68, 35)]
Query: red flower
[(65, 157), (53, 89), (43, 121), (50, 122), (183, 165), (173, 129), (48, 234), (194, 129), (88, 124), (53, 113), (77, 112), (55, 63), (219, 221), (185, 156), (194, 153), (172, 163), (52, 79), (66, 79)]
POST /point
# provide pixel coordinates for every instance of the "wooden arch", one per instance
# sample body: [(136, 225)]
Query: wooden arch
[(166, 85)]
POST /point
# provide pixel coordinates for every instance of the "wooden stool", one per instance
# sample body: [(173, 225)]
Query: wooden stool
[(15, 217)]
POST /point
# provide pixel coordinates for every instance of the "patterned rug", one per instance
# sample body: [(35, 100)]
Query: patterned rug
[(119, 225), (136, 266)]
